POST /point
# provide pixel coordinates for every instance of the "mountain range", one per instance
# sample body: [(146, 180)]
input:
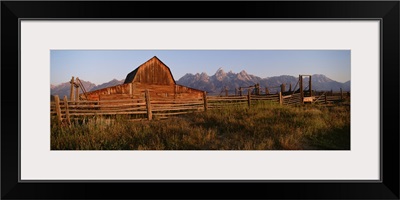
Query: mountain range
[(217, 83)]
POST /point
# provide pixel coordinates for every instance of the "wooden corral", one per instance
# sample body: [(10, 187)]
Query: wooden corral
[(147, 107), (154, 76)]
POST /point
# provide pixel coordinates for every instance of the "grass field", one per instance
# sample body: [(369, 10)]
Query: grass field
[(264, 126)]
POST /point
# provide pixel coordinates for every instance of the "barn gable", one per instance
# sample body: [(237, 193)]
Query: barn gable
[(153, 71), (154, 76)]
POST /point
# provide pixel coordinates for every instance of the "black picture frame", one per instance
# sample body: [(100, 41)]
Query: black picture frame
[(386, 11)]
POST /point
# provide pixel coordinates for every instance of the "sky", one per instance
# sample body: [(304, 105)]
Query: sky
[(100, 66)]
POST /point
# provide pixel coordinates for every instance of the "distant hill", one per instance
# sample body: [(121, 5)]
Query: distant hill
[(108, 84), (64, 89), (216, 83)]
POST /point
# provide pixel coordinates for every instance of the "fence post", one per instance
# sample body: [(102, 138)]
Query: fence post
[(248, 97), (341, 94), (71, 93), (257, 89), (283, 87), (326, 98), (266, 90), (58, 109), (240, 91), (205, 101), (226, 92), (77, 93), (280, 98), (148, 105), (301, 89), (310, 88), (67, 109)]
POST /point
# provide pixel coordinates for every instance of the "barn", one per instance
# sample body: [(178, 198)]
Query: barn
[(154, 76)]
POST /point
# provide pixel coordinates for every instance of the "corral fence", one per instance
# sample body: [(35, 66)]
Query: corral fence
[(148, 108), (317, 98)]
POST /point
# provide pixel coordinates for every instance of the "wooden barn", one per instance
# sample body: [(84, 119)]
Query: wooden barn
[(153, 75)]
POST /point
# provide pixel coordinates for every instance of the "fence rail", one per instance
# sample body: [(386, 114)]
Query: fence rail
[(292, 99), (146, 108)]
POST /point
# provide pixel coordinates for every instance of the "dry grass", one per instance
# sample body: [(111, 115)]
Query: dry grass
[(262, 127)]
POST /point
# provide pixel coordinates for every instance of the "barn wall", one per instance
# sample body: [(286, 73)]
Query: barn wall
[(184, 89), (136, 90), (114, 90), (167, 91), (154, 72)]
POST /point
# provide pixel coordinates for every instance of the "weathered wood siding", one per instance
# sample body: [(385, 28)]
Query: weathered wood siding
[(136, 90), (154, 72), (95, 95), (185, 92)]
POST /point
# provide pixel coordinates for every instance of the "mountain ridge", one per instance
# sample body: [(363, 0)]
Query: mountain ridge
[(220, 80), (217, 82)]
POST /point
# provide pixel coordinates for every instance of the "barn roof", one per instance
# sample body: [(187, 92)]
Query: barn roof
[(131, 76)]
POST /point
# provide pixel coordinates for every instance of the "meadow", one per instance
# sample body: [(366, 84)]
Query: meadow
[(264, 126)]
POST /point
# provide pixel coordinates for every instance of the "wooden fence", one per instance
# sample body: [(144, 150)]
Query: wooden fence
[(141, 108), (148, 108), (220, 102)]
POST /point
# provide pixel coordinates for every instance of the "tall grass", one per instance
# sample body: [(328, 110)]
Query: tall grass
[(264, 126)]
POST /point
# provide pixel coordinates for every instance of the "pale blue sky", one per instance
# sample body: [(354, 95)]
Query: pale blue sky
[(100, 66)]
